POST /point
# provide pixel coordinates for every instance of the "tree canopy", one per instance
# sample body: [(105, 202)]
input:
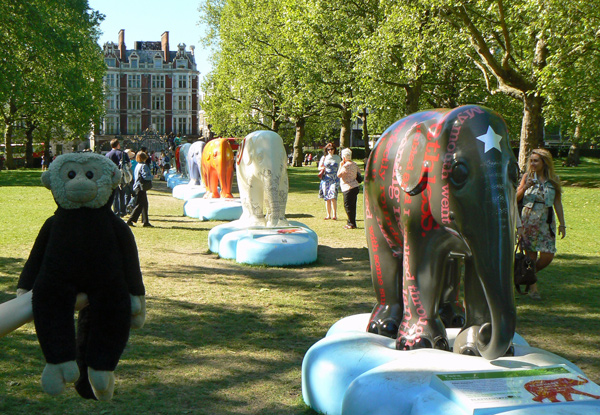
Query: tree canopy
[(530, 60)]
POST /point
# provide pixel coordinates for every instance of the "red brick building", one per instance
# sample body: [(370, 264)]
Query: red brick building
[(149, 87)]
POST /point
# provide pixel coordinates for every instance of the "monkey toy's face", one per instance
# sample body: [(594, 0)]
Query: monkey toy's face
[(81, 180)]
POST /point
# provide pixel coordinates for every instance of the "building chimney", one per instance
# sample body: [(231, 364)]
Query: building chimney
[(164, 42), (192, 47), (122, 49)]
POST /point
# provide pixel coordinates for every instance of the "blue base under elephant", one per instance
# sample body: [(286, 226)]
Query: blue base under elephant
[(213, 209), (258, 245), (352, 372)]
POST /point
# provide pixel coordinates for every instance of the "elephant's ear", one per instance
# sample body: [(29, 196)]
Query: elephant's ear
[(413, 168), (244, 152)]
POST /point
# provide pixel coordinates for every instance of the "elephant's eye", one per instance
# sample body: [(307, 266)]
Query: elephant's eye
[(71, 174), (89, 175), (460, 174)]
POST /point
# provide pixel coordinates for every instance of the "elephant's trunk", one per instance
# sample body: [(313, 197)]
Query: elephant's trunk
[(494, 258)]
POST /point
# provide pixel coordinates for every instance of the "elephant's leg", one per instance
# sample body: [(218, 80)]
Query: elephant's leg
[(254, 202), (451, 310), (275, 200), (212, 183), (386, 269), (423, 272)]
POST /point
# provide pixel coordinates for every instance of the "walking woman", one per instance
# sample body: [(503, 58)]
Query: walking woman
[(540, 191), (328, 188), (142, 171)]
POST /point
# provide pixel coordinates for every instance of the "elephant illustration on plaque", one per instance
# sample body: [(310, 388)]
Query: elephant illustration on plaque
[(262, 179), (194, 162), (217, 168), (549, 389), (440, 187)]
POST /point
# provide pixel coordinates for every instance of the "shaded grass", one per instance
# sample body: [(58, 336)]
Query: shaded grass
[(223, 338)]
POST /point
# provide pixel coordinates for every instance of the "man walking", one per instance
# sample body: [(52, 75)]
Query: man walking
[(121, 159)]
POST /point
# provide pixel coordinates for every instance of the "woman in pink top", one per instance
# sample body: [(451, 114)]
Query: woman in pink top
[(349, 185)]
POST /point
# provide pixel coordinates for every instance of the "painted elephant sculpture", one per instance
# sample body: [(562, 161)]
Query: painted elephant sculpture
[(440, 187), (194, 162), (182, 161), (217, 168), (262, 179), (549, 389)]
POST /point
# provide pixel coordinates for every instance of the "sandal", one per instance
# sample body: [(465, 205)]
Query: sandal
[(327, 218), (534, 295)]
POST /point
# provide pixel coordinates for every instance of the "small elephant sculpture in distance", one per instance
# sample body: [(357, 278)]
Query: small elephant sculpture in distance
[(262, 179), (441, 183), (217, 168), (194, 162)]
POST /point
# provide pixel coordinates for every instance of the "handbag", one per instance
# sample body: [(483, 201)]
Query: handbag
[(359, 177), (524, 269), (321, 173)]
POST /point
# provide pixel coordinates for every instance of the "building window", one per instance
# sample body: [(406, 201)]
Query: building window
[(134, 102), (182, 81), (112, 103), (158, 61), (159, 124), (134, 125), (134, 81), (111, 80), (111, 125), (182, 103), (158, 81), (110, 62), (133, 62), (180, 125), (158, 102), (182, 63)]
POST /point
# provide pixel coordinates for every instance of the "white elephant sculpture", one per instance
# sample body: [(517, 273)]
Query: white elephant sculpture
[(194, 161), (183, 163), (262, 179)]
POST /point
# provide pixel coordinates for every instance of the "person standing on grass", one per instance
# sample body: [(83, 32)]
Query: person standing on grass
[(328, 188), (141, 200), (348, 173), (118, 157), (540, 191)]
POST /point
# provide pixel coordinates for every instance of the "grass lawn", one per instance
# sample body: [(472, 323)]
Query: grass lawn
[(225, 338)]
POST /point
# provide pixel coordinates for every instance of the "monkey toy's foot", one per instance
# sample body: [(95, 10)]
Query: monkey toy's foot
[(103, 383), (430, 336), (452, 315), (56, 376), (385, 320)]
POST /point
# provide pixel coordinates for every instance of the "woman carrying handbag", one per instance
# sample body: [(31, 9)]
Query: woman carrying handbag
[(142, 183)]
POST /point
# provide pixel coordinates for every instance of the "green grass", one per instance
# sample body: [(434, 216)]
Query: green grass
[(224, 338)]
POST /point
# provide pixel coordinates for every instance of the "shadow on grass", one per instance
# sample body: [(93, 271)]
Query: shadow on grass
[(22, 177), (587, 175)]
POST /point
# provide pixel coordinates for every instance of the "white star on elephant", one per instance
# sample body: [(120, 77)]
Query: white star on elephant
[(490, 139)]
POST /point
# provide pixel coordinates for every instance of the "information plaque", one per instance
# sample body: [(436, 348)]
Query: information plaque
[(486, 392)]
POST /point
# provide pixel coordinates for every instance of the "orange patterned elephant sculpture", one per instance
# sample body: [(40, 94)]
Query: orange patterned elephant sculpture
[(217, 167)]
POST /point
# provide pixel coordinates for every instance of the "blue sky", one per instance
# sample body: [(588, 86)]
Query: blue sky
[(146, 20)]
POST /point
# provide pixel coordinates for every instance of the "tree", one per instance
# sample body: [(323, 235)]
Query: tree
[(55, 68), (514, 43)]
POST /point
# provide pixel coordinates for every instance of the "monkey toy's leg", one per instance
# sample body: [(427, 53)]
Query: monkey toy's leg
[(53, 307), (103, 338)]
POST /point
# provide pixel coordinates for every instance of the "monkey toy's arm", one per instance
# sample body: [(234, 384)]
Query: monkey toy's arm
[(34, 262)]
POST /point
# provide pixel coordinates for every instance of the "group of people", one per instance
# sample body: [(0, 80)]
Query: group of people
[(131, 193), (539, 192)]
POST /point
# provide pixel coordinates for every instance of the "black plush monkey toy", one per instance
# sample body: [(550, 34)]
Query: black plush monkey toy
[(83, 248)]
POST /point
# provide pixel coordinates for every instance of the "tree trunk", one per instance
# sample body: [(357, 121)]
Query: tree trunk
[(531, 130), (413, 96), (298, 142), (8, 150), (365, 133), (29, 146), (346, 128), (275, 125)]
